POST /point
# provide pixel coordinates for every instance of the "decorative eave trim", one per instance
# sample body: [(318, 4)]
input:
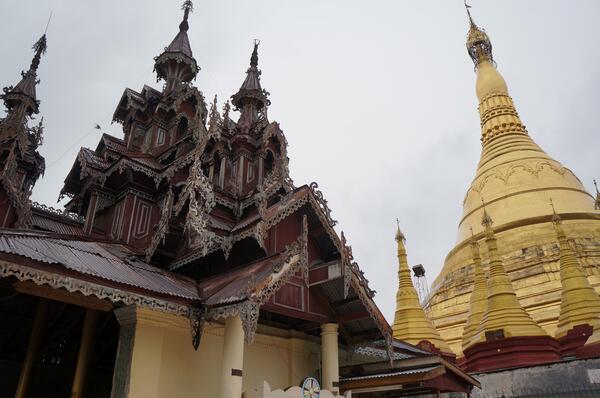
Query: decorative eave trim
[(116, 296), (61, 214), (122, 164), (295, 259)]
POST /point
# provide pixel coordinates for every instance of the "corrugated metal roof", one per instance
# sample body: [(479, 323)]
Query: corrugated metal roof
[(102, 260), (238, 284), (48, 224), (93, 160), (392, 374)]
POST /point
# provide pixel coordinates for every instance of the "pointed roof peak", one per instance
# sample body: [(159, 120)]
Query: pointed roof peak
[(26, 87), (399, 235), (40, 48), (254, 57), (251, 89), (474, 244), (486, 220), (187, 7), (478, 43), (176, 63), (555, 217), (557, 221)]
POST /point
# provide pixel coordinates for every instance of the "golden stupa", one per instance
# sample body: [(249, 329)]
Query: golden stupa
[(516, 178), (410, 322), (503, 311), (478, 299), (580, 303)]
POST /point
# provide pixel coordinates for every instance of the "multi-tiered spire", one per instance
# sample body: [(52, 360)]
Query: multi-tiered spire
[(251, 99), (24, 93), (176, 65), (504, 316), (580, 304), (22, 165), (410, 322), (478, 300)]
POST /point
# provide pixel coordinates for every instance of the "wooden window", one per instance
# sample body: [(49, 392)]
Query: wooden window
[(160, 138), (250, 174)]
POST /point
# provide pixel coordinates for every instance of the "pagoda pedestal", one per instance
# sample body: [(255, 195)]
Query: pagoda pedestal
[(511, 352), (574, 340)]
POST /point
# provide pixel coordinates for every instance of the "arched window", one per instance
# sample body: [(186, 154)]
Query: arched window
[(182, 128), (218, 173), (269, 160)]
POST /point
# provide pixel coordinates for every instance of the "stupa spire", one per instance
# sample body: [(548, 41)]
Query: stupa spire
[(504, 314), (478, 300), (580, 304), (410, 322), (478, 42), (597, 204), (176, 64)]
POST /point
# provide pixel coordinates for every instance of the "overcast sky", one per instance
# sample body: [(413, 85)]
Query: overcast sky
[(376, 98)]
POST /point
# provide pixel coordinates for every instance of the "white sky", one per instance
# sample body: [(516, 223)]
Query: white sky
[(376, 98)]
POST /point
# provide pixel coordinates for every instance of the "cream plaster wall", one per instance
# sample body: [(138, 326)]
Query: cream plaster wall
[(164, 363)]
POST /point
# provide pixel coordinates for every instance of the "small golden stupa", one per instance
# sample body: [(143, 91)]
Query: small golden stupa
[(410, 322), (503, 311), (478, 301), (580, 304)]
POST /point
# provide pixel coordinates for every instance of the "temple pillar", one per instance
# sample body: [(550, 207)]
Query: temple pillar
[(329, 358), (32, 348), (85, 348), (143, 367), (233, 358)]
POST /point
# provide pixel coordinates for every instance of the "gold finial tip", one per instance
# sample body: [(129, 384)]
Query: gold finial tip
[(399, 235), (486, 220), (555, 217)]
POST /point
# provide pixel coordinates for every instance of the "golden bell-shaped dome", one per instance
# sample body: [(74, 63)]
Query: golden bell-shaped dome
[(516, 178)]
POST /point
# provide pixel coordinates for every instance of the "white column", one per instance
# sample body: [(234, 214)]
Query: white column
[(329, 358), (233, 358)]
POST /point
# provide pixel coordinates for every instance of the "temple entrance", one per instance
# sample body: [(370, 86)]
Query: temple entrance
[(45, 344)]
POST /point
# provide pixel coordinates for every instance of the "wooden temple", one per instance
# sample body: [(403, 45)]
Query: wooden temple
[(186, 261)]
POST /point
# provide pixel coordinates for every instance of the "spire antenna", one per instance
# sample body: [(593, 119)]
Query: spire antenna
[(468, 8), (48, 23)]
